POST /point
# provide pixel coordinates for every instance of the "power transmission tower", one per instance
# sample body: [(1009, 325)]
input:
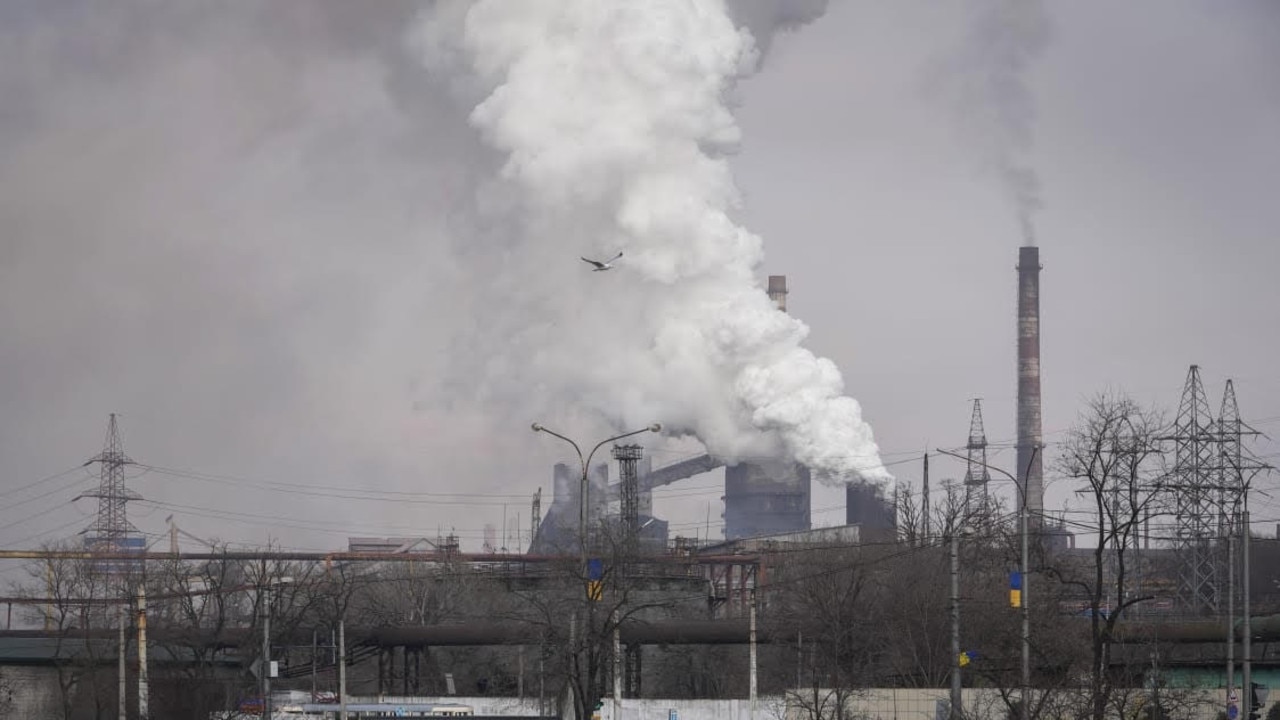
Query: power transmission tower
[(112, 525), (1236, 473), (976, 473), (1230, 430), (1196, 494)]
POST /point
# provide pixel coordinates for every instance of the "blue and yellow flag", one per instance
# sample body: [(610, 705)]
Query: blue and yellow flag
[(967, 657), (1015, 589), (595, 579)]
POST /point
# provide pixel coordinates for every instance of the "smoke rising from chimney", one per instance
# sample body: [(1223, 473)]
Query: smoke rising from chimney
[(612, 128), (985, 80)]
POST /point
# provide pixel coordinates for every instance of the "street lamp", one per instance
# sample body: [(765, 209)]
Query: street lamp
[(1026, 608), (582, 520), (586, 464), (264, 611), (956, 687), (1246, 650)]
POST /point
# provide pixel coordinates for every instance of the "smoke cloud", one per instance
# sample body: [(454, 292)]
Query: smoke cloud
[(985, 79), (228, 224), (612, 130), (765, 18), (283, 242)]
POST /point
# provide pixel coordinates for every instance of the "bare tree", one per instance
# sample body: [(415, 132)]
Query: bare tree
[(909, 514), (80, 611), (912, 597), (1114, 454), (993, 628), (576, 611), (199, 612), (847, 597)]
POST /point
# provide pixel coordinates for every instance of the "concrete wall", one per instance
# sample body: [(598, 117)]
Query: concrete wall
[(480, 705), (874, 704), (686, 710), (29, 692)]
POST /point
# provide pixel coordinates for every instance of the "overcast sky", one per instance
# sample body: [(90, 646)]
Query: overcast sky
[(234, 226)]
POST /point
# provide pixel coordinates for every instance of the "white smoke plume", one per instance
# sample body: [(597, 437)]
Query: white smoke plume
[(985, 78), (612, 129)]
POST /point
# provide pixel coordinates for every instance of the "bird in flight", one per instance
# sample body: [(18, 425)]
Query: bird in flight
[(599, 266)]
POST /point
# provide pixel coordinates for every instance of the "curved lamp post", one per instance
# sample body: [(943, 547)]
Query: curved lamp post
[(585, 464), (589, 616), (1026, 608)]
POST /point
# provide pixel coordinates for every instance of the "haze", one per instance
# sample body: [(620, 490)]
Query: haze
[(237, 226)]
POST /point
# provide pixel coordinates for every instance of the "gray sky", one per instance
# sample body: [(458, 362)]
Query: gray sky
[(236, 227)]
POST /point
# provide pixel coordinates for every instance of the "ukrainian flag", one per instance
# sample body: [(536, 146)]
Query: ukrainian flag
[(967, 657), (1015, 589)]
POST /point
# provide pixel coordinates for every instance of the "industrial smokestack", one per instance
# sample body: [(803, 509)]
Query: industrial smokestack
[(1030, 438), (778, 291)]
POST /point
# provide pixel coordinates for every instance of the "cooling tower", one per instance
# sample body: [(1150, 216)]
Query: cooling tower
[(1030, 434)]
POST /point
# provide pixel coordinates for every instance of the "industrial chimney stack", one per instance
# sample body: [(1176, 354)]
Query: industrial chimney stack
[(778, 291), (1030, 435)]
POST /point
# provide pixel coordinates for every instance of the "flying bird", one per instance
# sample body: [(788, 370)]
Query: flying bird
[(606, 265)]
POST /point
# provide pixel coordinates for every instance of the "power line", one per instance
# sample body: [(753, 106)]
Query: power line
[(41, 481)]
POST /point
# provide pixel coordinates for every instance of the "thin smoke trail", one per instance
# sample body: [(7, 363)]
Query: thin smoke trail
[(985, 79)]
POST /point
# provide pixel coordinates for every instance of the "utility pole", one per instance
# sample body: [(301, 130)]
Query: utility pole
[(617, 668), (1023, 600), (1231, 605), (264, 678), (1246, 644), (315, 638), (1027, 616), (956, 687), (924, 507), (1230, 430), (1023, 514), (342, 668), (799, 658), (144, 690), (122, 690), (752, 653)]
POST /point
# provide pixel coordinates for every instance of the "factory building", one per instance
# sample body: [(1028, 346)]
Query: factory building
[(761, 497), (765, 498), (866, 507)]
